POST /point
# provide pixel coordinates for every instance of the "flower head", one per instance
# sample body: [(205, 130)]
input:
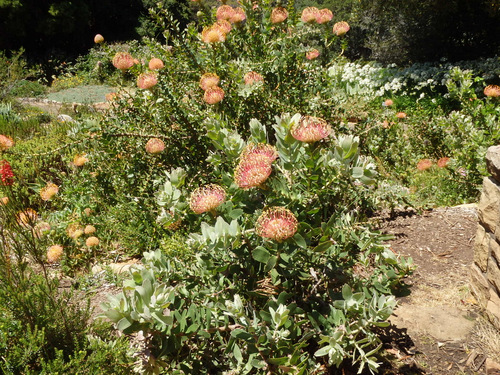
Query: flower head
[(252, 78), (54, 253), (310, 14), (492, 91), (224, 25), (401, 115), (80, 160), (238, 16), (146, 80), (324, 16), (224, 12), (387, 103), (123, 61), (4, 201), (155, 64), (443, 162), (311, 129), (47, 192), (155, 146), (213, 95), (207, 198), (208, 80), (424, 164), (98, 39), (213, 34), (6, 173), (5, 142), (278, 15), (74, 230), (27, 217), (89, 229), (256, 151), (312, 54), (252, 171), (341, 28), (276, 223), (92, 241)]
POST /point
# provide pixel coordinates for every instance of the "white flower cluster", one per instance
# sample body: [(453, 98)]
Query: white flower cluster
[(375, 80)]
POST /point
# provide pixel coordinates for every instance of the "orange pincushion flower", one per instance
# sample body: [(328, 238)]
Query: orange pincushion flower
[(80, 160), (224, 26), (324, 16), (146, 80), (92, 241), (155, 146), (27, 217), (111, 96), (123, 61), (207, 198), (276, 223), (224, 12), (252, 78), (74, 230), (49, 191), (492, 91), (155, 64), (89, 229), (443, 162), (401, 115), (213, 95), (213, 34), (98, 39), (424, 164), (54, 253), (252, 172), (238, 15), (312, 54), (208, 80), (257, 151), (310, 14), (387, 103), (279, 14), (341, 28), (311, 129), (4, 200), (5, 142)]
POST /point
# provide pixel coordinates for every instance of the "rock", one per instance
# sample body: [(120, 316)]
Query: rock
[(65, 118), (493, 161), (489, 205), (479, 285), (482, 248), (492, 367)]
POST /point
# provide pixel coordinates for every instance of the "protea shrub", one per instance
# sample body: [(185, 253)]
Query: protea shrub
[(256, 151), (424, 164), (213, 34), (147, 80), (324, 16), (92, 241), (252, 172), (207, 198), (277, 224), (27, 218), (312, 54), (98, 39)]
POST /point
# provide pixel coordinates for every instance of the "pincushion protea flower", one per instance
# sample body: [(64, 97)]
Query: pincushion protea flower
[(253, 77), (443, 162), (276, 223), (238, 16), (311, 129), (252, 172), (256, 151), (279, 14), (6, 173), (401, 115), (224, 12), (123, 61), (47, 192), (147, 80), (324, 16), (4, 200), (89, 229), (74, 230), (80, 160), (27, 217), (98, 39), (5, 142), (213, 34), (424, 164), (54, 253), (310, 14), (207, 198), (341, 28), (155, 146), (155, 64), (213, 95), (92, 241), (208, 80), (387, 103), (224, 25), (312, 54), (492, 91)]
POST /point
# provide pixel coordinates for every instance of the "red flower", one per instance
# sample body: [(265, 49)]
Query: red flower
[(6, 173), (276, 223), (311, 129), (207, 198)]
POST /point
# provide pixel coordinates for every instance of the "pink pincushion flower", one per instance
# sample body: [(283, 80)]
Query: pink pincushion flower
[(5, 142), (213, 34), (341, 28), (238, 16), (224, 12), (155, 64), (312, 54), (278, 15), (6, 173), (207, 198), (493, 91), (311, 129), (443, 162), (256, 151), (324, 16), (213, 95), (252, 172), (424, 164), (224, 26), (276, 223), (208, 80), (253, 77), (123, 61), (310, 14), (155, 146), (147, 80)]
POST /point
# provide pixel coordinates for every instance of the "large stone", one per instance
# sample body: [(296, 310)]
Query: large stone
[(482, 248), (494, 274), (493, 161), (489, 205), (493, 308), (495, 249), (479, 286)]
